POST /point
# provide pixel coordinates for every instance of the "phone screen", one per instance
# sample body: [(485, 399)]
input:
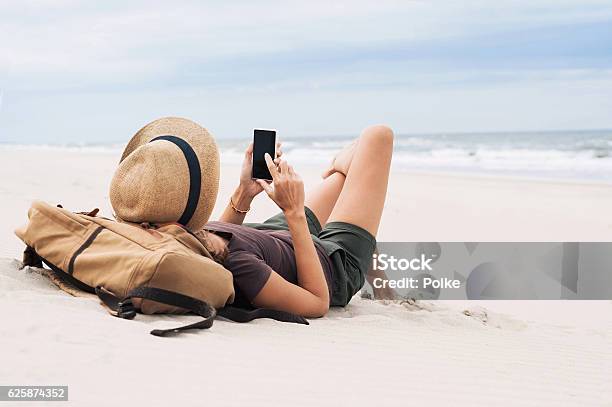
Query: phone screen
[(264, 141)]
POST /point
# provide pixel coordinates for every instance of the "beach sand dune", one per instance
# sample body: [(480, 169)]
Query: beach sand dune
[(369, 353)]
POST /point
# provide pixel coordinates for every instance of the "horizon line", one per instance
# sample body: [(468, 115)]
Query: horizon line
[(322, 134)]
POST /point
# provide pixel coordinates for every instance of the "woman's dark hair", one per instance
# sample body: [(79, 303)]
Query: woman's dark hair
[(216, 256)]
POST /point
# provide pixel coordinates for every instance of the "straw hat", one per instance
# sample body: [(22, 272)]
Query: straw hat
[(169, 172)]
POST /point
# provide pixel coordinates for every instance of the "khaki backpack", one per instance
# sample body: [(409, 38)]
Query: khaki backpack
[(146, 268)]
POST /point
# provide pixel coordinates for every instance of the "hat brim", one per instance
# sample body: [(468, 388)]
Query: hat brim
[(205, 148)]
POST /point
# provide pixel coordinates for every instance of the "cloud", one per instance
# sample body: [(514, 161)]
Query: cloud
[(141, 41), (308, 67)]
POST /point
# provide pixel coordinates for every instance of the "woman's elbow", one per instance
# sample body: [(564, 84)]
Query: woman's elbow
[(318, 310), (324, 309)]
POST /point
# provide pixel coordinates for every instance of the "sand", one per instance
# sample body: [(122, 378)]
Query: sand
[(370, 353)]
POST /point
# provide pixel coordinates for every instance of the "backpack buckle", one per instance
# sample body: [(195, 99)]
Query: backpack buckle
[(119, 308), (125, 309)]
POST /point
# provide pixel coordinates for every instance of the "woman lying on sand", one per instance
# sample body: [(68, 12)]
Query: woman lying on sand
[(314, 254)]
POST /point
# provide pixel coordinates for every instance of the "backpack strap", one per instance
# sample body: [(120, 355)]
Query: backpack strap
[(245, 315), (32, 259), (124, 308)]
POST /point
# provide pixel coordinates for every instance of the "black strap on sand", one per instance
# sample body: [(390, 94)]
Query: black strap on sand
[(195, 176), (245, 315), (125, 309)]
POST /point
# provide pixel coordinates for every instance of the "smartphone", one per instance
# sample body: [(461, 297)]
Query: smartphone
[(264, 141)]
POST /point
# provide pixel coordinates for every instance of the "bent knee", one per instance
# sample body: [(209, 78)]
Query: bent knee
[(379, 134)]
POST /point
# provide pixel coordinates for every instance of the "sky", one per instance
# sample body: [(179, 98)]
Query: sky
[(74, 72)]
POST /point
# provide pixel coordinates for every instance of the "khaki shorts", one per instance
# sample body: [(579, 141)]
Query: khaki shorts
[(349, 247)]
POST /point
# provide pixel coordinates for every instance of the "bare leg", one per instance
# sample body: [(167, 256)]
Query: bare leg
[(324, 201), (323, 197), (362, 197)]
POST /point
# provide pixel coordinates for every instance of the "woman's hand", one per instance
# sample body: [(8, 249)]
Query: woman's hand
[(240, 201), (287, 190), (247, 184)]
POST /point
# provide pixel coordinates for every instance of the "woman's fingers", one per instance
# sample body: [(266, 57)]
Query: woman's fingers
[(266, 187), (279, 151), (284, 167), (249, 150), (271, 166)]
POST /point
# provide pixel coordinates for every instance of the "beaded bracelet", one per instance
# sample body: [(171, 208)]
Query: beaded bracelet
[(236, 209)]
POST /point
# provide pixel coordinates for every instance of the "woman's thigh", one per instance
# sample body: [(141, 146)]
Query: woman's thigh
[(362, 198)]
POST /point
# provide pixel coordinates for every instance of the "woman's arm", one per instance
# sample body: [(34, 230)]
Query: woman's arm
[(240, 201), (311, 297), (309, 270), (237, 207)]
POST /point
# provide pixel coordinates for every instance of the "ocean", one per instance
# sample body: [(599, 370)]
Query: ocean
[(570, 155), (566, 155)]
